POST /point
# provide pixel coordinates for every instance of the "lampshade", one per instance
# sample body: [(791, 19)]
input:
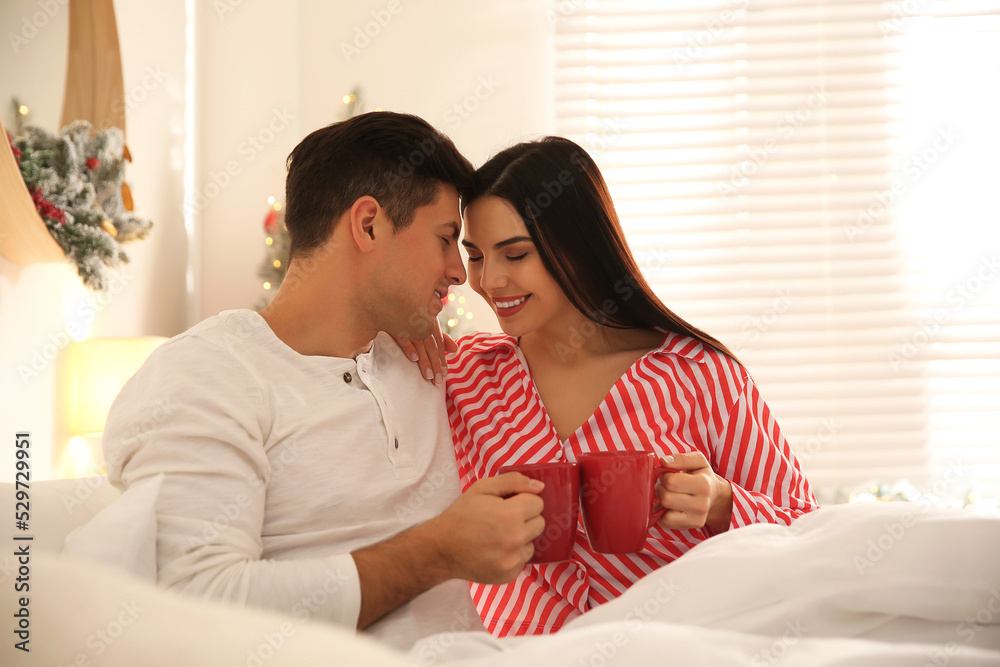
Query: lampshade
[(91, 373)]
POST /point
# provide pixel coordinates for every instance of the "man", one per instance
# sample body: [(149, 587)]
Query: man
[(307, 466)]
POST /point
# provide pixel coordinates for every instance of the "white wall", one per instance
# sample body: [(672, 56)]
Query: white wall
[(266, 74), (480, 72), (38, 303)]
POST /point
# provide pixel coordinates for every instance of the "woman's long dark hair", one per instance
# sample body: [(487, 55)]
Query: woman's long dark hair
[(560, 194)]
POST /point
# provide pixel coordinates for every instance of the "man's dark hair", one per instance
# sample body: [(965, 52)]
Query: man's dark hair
[(398, 159)]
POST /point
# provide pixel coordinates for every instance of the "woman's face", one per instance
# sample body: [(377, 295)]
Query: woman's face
[(506, 269)]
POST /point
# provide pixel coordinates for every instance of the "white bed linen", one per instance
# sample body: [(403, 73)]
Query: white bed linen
[(887, 584), (904, 580)]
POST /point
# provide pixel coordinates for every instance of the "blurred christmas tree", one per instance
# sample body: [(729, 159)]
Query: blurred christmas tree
[(455, 317), (275, 263)]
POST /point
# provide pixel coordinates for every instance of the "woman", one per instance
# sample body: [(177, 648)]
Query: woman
[(591, 360)]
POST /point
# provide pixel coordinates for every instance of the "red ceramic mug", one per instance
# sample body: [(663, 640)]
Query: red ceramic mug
[(561, 497), (617, 490)]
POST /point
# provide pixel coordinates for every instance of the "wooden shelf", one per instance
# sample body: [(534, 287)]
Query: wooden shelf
[(24, 238), (95, 89)]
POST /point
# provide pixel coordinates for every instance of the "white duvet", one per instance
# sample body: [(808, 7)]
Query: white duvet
[(874, 584)]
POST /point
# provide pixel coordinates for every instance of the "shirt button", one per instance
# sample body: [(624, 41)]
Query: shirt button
[(397, 443), (347, 378)]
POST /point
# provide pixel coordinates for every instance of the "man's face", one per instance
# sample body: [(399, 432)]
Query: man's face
[(420, 264)]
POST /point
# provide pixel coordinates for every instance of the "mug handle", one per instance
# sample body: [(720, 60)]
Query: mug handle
[(656, 515)]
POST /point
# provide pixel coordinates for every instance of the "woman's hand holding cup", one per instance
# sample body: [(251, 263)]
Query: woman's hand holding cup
[(694, 497)]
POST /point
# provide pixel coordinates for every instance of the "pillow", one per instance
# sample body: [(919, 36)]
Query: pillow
[(58, 506), (123, 534)]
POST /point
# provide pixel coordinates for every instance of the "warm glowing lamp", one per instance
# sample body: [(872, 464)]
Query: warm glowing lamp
[(91, 373)]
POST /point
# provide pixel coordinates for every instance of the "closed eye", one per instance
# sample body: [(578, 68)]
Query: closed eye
[(514, 258)]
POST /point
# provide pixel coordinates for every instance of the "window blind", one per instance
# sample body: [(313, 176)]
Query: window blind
[(814, 183)]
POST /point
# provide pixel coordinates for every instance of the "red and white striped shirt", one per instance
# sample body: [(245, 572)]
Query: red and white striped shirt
[(680, 397)]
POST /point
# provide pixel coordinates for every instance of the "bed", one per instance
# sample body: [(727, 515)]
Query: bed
[(888, 583)]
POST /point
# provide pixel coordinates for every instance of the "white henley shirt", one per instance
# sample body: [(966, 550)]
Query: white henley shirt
[(277, 466)]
